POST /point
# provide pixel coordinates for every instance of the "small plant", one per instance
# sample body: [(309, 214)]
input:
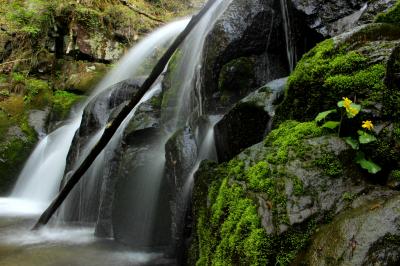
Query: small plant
[(350, 110)]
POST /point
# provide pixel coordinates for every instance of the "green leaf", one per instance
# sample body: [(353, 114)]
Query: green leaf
[(368, 165), (321, 116), (352, 142), (340, 104), (331, 124), (365, 138)]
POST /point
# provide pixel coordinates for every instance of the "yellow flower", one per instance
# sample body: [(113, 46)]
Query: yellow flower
[(347, 102), (352, 111), (368, 125)]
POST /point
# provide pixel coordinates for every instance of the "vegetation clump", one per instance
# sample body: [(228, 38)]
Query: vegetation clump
[(390, 16)]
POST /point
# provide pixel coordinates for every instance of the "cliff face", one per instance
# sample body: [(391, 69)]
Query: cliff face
[(52, 53)]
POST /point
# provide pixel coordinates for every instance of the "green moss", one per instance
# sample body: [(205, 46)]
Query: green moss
[(13, 153), (391, 16), (348, 196), (329, 164), (347, 68), (289, 137), (292, 242), (396, 175), (298, 187), (370, 80), (62, 103), (234, 234)]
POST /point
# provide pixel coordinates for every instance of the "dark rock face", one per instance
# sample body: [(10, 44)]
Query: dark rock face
[(243, 126), (248, 121), (181, 153), (331, 17), (255, 39)]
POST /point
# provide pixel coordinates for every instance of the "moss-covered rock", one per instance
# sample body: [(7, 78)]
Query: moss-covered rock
[(272, 197), (353, 65), (390, 16), (361, 65), (16, 142)]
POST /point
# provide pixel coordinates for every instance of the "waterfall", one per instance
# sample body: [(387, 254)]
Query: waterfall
[(290, 46), (137, 202), (40, 179)]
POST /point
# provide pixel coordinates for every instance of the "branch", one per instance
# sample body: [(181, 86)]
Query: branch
[(137, 10), (14, 61), (113, 126)]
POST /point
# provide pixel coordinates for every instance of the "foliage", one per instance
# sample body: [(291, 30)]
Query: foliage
[(391, 16), (351, 110)]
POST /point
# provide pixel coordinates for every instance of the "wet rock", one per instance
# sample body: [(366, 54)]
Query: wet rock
[(96, 46), (79, 76), (129, 201), (366, 234), (248, 121), (257, 36), (37, 120), (94, 118), (181, 152), (331, 18)]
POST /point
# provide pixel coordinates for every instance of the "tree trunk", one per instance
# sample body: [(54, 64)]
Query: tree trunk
[(113, 126)]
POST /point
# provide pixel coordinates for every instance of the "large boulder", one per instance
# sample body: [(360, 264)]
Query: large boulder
[(239, 53), (181, 151), (263, 207)]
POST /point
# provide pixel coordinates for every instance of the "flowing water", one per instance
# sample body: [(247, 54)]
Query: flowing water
[(290, 46), (42, 174), (40, 179)]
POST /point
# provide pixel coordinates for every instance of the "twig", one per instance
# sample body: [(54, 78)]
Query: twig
[(137, 10)]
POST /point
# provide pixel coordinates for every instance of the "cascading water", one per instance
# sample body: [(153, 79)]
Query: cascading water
[(290, 46), (40, 178), (183, 108)]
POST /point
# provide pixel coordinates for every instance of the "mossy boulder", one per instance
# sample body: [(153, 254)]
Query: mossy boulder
[(262, 207), (361, 65), (358, 65)]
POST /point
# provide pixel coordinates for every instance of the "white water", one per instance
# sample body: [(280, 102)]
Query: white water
[(41, 176), (188, 102), (207, 151), (290, 47)]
